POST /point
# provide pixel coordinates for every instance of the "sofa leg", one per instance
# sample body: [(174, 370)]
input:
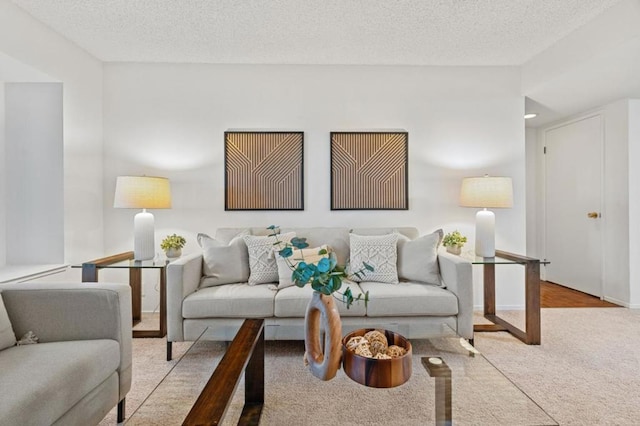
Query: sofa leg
[(121, 410), (169, 350)]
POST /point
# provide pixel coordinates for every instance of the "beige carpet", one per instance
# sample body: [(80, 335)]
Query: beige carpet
[(586, 372)]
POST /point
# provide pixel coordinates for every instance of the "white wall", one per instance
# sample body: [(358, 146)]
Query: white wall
[(34, 173), (634, 202), (169, 120), (616, 202), (532, 158), (32, 43), (3, 202)]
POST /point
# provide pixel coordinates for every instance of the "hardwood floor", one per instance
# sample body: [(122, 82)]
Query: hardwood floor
[(556, 296)]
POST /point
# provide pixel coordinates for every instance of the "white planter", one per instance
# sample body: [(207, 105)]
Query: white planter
[(173, 253), (454, 249)]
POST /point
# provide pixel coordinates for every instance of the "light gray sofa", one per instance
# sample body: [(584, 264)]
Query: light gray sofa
[(409, 306), (81, 367)]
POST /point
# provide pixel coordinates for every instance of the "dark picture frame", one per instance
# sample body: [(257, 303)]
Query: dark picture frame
[(264, 170), (369, 170)]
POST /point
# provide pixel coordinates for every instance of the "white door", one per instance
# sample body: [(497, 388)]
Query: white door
[(573, 200)]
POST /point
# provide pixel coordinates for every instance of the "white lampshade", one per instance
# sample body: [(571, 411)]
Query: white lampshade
[(143, 192), (486, 192)]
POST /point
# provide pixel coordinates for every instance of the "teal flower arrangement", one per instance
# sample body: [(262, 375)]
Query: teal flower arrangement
[(325, 276)]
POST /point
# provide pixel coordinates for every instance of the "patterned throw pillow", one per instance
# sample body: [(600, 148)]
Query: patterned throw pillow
[(262, 260), (308, 255), (379, 251), (418, 259), (223, 263), (7, 336)]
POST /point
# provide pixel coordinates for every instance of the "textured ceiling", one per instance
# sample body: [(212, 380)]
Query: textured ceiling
[(402, 32)]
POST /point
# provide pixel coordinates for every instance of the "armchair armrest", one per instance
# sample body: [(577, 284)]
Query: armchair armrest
[(456, 274), (183, 278), (74, 311)]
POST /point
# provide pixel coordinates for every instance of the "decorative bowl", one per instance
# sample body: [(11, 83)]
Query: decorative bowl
[(377, 373)]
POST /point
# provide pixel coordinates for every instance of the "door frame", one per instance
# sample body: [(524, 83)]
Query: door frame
[(543, 140)]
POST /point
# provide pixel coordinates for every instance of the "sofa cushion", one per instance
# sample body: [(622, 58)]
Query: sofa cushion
[(238, 300), (7, 336), (224, 263), (262, 260), (336, 238), (291, 302), (308, 255), (418, 259), (42, 382), (380, 252), (409, 299)]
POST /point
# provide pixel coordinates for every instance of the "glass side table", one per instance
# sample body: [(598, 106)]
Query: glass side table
[(125, 261), (531, 334)]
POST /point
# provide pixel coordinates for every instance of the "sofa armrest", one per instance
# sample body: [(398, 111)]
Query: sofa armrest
[(58, 312), (456, 274), (183, 278)]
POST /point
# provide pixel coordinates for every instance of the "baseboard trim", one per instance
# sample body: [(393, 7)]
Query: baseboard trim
[(20, 273), (617, 302)]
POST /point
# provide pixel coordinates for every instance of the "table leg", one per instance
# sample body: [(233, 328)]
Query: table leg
[(254, 385), (489, 289), (442, 374), (163, 302), (89, 273), (532, 309), (135, 281)]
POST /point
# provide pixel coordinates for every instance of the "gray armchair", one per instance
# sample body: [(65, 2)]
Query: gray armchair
[(81, 367)]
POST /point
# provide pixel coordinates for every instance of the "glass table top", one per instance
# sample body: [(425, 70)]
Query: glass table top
[(480, 393), (497, 260), (157, 262)]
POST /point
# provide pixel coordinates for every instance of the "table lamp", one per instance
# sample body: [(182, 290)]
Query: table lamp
[(486, 192), (142, 192)]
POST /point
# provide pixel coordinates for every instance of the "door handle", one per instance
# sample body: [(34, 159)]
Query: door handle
[(593, 215)]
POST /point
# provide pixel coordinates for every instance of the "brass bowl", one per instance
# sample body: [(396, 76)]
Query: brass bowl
[(377, 373)]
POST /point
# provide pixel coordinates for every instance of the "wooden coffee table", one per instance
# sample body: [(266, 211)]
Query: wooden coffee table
[(245, 354)]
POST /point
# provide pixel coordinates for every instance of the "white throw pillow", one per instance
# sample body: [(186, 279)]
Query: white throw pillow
[(7, 336), (262, 261), (308, 255), (222, 263), (380, 252), (418, 259)]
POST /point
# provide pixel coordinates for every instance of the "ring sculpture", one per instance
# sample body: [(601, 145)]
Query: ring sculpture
[(322, 310)]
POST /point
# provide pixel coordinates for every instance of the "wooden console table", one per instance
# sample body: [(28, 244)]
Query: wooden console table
[(531, 334), (125, 261)]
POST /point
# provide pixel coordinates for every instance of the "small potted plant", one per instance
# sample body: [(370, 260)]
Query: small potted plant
[(454, 241), (172, 245)]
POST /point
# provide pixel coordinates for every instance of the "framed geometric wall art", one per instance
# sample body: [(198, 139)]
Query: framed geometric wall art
[(263, 170), (369, 170)]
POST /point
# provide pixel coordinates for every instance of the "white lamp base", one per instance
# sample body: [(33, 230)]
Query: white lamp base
[(485, 233), (143, 236)]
